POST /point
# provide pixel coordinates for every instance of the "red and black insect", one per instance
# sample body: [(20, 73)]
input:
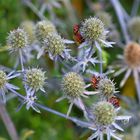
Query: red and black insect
[(114, 101), (77, 36), (95, 80)]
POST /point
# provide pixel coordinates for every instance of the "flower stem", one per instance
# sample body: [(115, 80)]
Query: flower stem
[(120, 15), (90, 52), (70, 11), (8, 122), (135, 8), (75, 120), (100, 64), (35, 10), (21, 60)]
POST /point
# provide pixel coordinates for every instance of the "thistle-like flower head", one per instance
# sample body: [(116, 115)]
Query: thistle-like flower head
[(73, 85), (94, 34), (17, 39), (43, 28), (105, 121), (35, 79), (104, 113), (55, 44), (92, 29), (106, 87)]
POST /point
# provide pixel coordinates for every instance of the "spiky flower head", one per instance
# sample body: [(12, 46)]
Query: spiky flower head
[(17, 39), (3, 78), (29, 28), (43, 28), (35, 78), (134, 27), (54, 44), (92, 29), (106, 87), (132, 54), (104, 113), (105, 18), (73, 85)]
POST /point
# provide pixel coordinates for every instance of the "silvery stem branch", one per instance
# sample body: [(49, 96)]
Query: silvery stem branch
[(35, 10), (75, 120), (70, 11), (100, 64), (120, 15), (8, 122), (135, 8), (21, 61)]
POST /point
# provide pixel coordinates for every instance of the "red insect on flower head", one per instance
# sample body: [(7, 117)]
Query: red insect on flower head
[(77, 36), (95, 80), (114, 101), (76, 28)]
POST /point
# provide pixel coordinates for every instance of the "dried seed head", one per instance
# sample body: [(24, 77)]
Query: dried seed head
[(92, 29), (106, 87), (29, 27), (3, 78), (35, 78), (105, 18), (43, 28), (55, 44), (104, 113), (73, 85), (17, 39), (132, 54), (134, 27)]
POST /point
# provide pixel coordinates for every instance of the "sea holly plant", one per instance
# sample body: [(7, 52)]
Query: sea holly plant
[(103, 116)]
